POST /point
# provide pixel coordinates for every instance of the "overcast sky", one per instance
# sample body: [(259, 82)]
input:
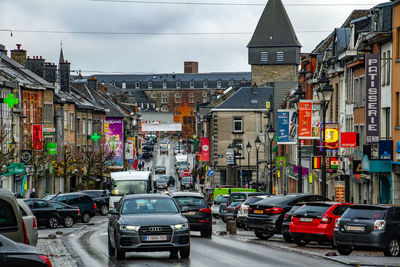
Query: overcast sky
[(151, 53)]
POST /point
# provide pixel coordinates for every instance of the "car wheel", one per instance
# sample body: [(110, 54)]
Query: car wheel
[(344, 249), (68, 221), (263, 236), (392, 247), (223, 219), (104, 209), (119, 254), (239, 225), (111, 251), (288, 238), (300, 242), (184, 253), (206, 233), (85, 217), (53, 222)]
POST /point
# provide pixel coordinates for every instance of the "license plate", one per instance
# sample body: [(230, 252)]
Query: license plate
[(155, 238), (190, 213), (306, 219), (355, 228), (258, 211)]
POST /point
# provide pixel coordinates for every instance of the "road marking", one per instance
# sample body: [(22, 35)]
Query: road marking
[(101, 234)]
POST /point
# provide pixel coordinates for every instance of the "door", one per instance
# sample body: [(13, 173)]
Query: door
[(384, 188)]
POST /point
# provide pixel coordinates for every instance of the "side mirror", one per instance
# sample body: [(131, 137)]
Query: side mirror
[(185, 209), (113, 212)]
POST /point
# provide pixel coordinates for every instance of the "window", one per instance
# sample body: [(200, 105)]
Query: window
[(78, 125), (362, 91), (178, 98), (164, 99), (83, 125), (205, 97), (191, 97), (48, 112), (164, 85), (356, 92), (219, 84), (31, 113), (361, 134), (153, 95), (231, 83), (65, 119), (164, 108), (264, 56), (398, 43), (388, 62), (237, 124), (178, 84), (397, 109), (137, 85), (383, 67), (191, 84), (205, 84), (8, 218), (25, 111), (74, 199), (89, 127), (123, 85), (71, 121), (279, 56), (150, 85)]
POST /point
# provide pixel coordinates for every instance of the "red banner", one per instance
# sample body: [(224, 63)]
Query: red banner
[(37, 136), (305, 114), (348, 139), (205, 149)]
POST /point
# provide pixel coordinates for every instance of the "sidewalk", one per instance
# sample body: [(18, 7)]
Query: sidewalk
[(357, 258)]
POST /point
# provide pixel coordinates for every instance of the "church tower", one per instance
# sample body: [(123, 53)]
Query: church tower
[(274, 51)]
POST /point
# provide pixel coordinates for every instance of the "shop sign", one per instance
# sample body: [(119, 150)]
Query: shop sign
[(49, 131), (385, 149), (372, 85), (14, 168), (348, 139)]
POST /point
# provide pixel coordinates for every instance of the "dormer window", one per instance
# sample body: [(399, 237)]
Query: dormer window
[(123, 85), (164, 85), (178, 85), (279, 56), (219, 84), (150, 85), (264, 56), (137, 85), (191, 84), (205, 84)]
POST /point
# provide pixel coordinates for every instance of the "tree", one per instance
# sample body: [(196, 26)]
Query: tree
[(39, 162), (65, 165), (7, 150)]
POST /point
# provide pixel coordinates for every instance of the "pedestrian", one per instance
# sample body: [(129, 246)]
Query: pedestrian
[(140, 166), (33, 194), (142, 163)]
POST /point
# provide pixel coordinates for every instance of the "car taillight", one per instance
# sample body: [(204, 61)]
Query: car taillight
[(79, 211), (379, 225), (274, 210), (46, 260), (26, 239), (95, 206), (337, 223), (239, 207), (286, 216), (326, 219), (212, 203), (227, 208), (250, 209), (206, 210), (34, 223)]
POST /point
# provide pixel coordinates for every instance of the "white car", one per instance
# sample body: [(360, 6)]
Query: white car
[(215, 204), (244, 208)]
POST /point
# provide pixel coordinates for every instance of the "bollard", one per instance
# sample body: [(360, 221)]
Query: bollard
[(231, 226)]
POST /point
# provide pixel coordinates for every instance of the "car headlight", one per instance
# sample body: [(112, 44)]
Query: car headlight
[(129, 228), (181, 226)]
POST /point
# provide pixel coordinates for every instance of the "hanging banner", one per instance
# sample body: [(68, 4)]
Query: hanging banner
[(339, 191), (113, 129), (205, 149), (230, 154), (37, 137), (372, 107), (348, 139), (331, 136), (287, 126), (281, 161), (305, 114)]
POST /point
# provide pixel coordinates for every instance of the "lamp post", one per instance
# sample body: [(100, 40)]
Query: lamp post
[(235, 155), (248, 148), (271, 134), (257, 143), (298, 95), (230, 147), (325, 92)]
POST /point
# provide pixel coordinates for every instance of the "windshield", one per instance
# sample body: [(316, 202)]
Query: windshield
[(312, 209), (149, 205), (252, 200), (190, 201), (219, 198), (120, 188), (365, 214), (161, 180)]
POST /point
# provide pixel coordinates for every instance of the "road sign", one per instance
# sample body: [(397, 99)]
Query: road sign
[(186, 172), (210, 172)]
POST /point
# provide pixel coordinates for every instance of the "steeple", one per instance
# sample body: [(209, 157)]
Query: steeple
[(61, 54)]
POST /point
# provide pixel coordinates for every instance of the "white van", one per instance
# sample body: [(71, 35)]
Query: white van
[(129, 182)]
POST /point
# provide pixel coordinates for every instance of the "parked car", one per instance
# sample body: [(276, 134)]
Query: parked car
[(45, 213), (12, 224), (222, 210), (68, 214), (163, 149), (83, 201), (147, 155), (148, 222), (369, 226), (160, 170), (101, 197), (217, 201), (199, 213), (20, 255), (286, 222), (30, 222), (232, 210), (169, 179), (243, 210), (266, 216), (243, 196), (187, 182), (315, 221), (179, 149)]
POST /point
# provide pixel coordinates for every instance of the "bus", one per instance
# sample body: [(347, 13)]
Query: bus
[(129, 182)]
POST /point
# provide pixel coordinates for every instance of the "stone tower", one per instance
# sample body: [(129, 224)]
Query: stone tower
[(274, 51)]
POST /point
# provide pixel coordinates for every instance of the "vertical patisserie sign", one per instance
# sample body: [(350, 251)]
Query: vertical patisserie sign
[(372, 67)]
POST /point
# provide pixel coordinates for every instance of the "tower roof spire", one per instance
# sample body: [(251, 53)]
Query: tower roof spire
[(61, 54), (274, 28)]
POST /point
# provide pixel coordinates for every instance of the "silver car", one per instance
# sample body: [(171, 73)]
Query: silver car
[(30, 222)]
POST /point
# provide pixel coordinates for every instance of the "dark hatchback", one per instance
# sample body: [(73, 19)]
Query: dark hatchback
[(45, 213), (68, 214), (197, 212), (101, 197), (286, 222), (148, 222), (13, 254), (266, 216), (369, 227), (85, 203)]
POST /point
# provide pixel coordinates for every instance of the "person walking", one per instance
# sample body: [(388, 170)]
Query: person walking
[(33, 193)]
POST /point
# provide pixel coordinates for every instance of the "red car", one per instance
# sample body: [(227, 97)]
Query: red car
[(315, 221)]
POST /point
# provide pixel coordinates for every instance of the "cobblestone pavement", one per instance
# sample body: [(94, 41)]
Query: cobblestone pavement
[(357, 258), (57, 252)]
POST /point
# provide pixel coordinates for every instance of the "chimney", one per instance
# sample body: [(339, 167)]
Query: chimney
[(92, 83), (50, 72), (65, 76), (3, 50), (19, 55), (36, 65), (191, 67)]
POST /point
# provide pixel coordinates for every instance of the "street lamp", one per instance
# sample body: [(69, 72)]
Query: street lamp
[(271, 134), (257, 143), (298, 95), (248, 148), (235, 155), (325, 92)]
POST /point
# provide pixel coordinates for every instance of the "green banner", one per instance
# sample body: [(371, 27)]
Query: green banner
[(52, 148), (14, 168)]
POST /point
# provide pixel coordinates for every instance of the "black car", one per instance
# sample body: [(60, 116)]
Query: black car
[(170, 179), (266, 216), (198, 214), (161, 183), (147, 154), (369, 226), (286, 223), (85, 203), (101, 197), (222, 211), (148, 222), (68, 214), (232, 210), (20, 255), (45, 213)]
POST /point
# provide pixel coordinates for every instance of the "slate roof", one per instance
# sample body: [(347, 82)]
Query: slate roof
[(274, 28), (248, 98)]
